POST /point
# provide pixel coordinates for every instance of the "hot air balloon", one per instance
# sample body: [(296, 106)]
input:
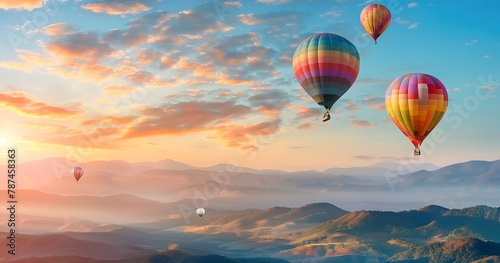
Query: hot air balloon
[(416, 103), (200, 212), (326, 65), (77, 172), (375, 19)]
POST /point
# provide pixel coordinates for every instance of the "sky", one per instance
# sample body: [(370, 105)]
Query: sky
[(208, 82)]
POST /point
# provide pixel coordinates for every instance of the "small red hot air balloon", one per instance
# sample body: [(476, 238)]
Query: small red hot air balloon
[(77, 173)]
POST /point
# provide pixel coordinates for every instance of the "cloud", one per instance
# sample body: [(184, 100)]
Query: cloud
[(401, 21), (59, 29), (95, 138), (273, 1), (412, 26), (226, 94), (130, 37), (247, 137), (109, 120), (412, 4), (269, 102), (141, 77), (352, 106), (188, 22), (21, 4), (471, 42), (359, 124), (185, 117), (238, 49), (196, 69), (119, 7), (377, 103), (117, 90), (307, 126), (306, 112), (269, 18), (22, 104), (81, 46)]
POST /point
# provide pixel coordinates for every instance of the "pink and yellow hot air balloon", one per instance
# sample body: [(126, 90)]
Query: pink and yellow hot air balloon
[(375, 19), (326, 65), (77, 173), (416, 103)]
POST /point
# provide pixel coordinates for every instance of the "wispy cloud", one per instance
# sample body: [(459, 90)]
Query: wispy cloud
[(412, 4), (24, 105), (59, 29), (119, 7), (22, 4), (117, 90), (273, 1), (360, 124), (412, 26), (185, 117), (401, 21), (472, 42), (269, 18), (86, 46), (376, 103)]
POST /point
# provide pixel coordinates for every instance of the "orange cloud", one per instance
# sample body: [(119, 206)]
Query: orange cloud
[(352, 106), (307, 126), (117, 90), (306, 112), (198, 69), (58, 29), (235, 80), (21, 4), (79, 138), (117, 7), (20, 103), (83, 71), (247, 137), (146, 78), (378, 107), (358, 124), (184, 118), (377, 103), (81, 46), (110, 120)]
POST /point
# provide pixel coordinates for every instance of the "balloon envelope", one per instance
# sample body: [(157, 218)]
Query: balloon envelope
[(77, 173), (375, 19), (200, 212), (416, 103), (326, 65)]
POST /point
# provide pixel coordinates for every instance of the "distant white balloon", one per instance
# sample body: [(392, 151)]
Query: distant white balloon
[(200, 212)]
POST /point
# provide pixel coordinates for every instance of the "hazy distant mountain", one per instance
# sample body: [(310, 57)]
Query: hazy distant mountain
[(167, 164), (414, 167), (472, 173), (456, 251)]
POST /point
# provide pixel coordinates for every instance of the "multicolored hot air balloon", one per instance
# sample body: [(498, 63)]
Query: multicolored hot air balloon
[(416, 103), (375, 19), (77, 172), (326, 65)]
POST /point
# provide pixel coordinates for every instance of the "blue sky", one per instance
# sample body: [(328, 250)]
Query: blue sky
[(208, 82)]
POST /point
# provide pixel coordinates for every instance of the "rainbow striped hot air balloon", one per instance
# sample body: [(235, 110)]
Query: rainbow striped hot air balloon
[(77, 173), (416, 103), (375, 19), (326, 65)]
